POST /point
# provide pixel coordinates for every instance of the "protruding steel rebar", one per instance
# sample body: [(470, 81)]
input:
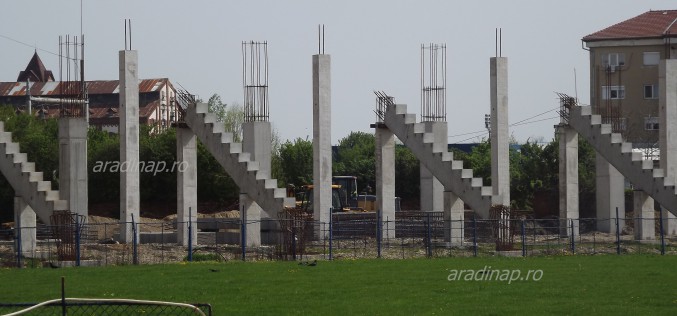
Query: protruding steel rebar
[(433, 83), (382, 102), (255, 81)]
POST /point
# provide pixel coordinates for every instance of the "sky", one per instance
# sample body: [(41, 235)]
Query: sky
[(374, 46)]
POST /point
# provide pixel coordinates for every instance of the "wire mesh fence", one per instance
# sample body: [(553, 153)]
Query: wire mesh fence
[(94, 307), (363, 235)]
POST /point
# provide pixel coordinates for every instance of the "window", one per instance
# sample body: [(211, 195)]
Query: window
[(613, 60), (651, 58), (618, 124), (651, 123), (613, 92), (651, 91)]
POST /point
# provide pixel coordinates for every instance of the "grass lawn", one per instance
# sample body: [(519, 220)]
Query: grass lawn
[(607, 284)]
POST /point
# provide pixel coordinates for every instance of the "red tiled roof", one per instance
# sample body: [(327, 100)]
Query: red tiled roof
[(651, 24), (101, 114), (93, 87)]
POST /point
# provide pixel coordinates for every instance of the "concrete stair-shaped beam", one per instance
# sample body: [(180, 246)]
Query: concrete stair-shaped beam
[(619, 154), (26, 182), (448, 171), (245, 172)]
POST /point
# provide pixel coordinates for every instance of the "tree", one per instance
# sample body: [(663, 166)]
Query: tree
[(356, 157), (533, 169), (407, 176), (296, 161), (104, 187), (276, 170), (231, 116)]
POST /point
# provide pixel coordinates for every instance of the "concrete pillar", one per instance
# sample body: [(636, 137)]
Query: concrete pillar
[(24, 224), (256, 140), (432, 190), (500, 137), (73, 163), (610, 195), (568, 179), (454, 219), (645, 222), (667, 109), (129, 142), (385, 178), (322, 163), (250, 213), (186, 185)]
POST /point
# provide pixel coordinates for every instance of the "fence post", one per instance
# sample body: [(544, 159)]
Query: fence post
[(573, 238), (243, 232), (660, 222), (331, 232), (135, 257), (428, 236), (190, 234), (618, 235), (379, 233), (77, 240), (19, 251), (387, 229), (524, 239), (63, 296), (474, 234), (293, 242)]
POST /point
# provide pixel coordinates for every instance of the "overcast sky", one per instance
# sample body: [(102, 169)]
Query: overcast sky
[(374, 45)]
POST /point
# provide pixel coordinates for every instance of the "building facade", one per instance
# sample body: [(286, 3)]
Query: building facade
[(624, 73), (157, 98)]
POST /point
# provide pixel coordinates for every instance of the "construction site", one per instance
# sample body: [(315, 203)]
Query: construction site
[(459, 214)]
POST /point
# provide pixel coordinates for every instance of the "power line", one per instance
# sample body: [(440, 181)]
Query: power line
[(545, 119), (518, 123), (469, 138), (537, 115), (469, 133), (513, 124), (34, 47)]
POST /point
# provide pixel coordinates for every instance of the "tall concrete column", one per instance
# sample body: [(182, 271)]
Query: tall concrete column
[(385, 178), (432, 190), (256, 139), (610, 195), (186, 185), (667, 109), (73, 163), (129, 142), (24, 224), (645, 223), (568, 180), (322, 163), (500, 137), (454, 219)]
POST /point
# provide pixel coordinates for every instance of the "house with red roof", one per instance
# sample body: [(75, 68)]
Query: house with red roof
[(157, 98), (624, 62)]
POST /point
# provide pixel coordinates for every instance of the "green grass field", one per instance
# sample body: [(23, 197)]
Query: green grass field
[(608, 284)]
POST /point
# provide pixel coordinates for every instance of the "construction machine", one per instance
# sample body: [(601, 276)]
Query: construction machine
[(339, 201)]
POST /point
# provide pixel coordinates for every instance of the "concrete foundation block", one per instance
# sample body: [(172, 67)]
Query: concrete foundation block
[(645, 221), (610, 196), (73, 163), (25, 221)]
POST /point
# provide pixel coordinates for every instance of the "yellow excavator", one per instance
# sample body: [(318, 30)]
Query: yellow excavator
[(339, 200)]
